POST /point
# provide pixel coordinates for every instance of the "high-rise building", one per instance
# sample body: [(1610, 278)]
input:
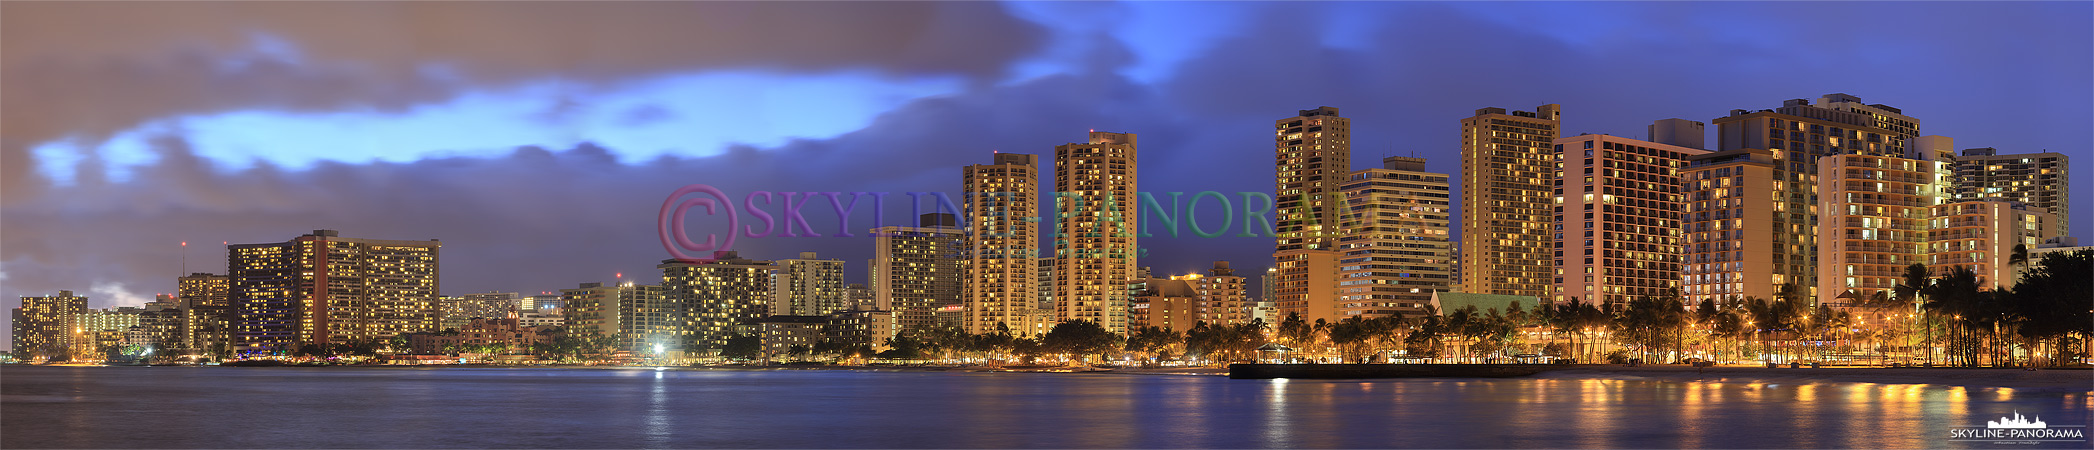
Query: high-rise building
[(1796, 136), (1738, 245), (322, 289), (1312, 152), (43, 326), (461, 310), (1224, 297), (1980, 235), (1095, 212), (1169, 304), (1617, 219), (1679, 132), (1003, 237), (96, 329), (1266, 283), (712, 301), (1881, 117), (1395, 253), (160, 325), (1216, 298), (2041, 180), (860, 298), (917, 270), (634, 316), (207, 314), (1873, 222), (808, 286), (1508, 169), (1045, 288)]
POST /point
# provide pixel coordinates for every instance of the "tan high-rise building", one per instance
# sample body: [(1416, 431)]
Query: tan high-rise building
[(1396, 250), (1618, 219), (2041, 180), (1980, 235), (1735, 212), (635, 316), (1003, 209), (95, 329), (207, 313), (1508, 172), (808, 286), (322, 289), (712, 301), (1313, 155), (1796, 135), (43, 326), (459, 311), (918, 270), (1182, 301), (1872, 222), (1095, 217), (1224, 297)]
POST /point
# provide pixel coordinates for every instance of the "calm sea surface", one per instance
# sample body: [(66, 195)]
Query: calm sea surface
[(190, 407)]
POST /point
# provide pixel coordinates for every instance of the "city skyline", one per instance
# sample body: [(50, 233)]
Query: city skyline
[(532, 220)]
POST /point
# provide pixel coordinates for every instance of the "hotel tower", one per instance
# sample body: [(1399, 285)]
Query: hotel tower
[(1508, 169), (1313, 152), (1002, 278), (1095, 218)]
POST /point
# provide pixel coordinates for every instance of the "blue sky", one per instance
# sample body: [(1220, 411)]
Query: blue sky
[(536, 138)]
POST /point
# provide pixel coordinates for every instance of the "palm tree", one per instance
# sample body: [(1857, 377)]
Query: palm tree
[(2020, 257), (1958, 295), (2052, 301), (1458, 325)]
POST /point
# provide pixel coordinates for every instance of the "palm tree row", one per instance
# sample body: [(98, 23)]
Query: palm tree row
[(2042, 320)]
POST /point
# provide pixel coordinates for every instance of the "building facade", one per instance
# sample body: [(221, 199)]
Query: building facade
[(712, 301), (1617, 219), (1873, 222), (1980, 235), (1002, 207), (1396, 252), (1096, 211), (207, 313), (808, 286), (2040, 180), (917, 270), (322, 289), (461, 310), (1508, 169), (1312, 155), (1730, 226), (636, 316), (1224, 297), (1796, 136), (42, 326), (96, 329), (503, 336)]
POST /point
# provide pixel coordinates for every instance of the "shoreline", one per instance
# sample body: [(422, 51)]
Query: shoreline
[(2069, 379)]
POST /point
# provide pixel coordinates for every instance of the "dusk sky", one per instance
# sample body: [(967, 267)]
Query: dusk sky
[(537, 140)]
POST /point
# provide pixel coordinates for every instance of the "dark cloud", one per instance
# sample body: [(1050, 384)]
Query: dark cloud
[(91, 68)]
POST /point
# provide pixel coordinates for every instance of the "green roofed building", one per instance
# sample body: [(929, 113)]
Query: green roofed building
[(1445, 302)]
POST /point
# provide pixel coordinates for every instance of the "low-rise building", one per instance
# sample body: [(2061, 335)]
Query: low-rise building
[(789, 337), (507, 334)]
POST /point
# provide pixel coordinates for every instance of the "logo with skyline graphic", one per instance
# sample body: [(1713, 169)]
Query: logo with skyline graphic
[(2015, 428)]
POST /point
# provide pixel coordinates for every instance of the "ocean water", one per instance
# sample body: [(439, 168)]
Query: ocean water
[(230, 407)]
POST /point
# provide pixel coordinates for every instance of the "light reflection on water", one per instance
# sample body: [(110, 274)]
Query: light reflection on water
[(401, 407)]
